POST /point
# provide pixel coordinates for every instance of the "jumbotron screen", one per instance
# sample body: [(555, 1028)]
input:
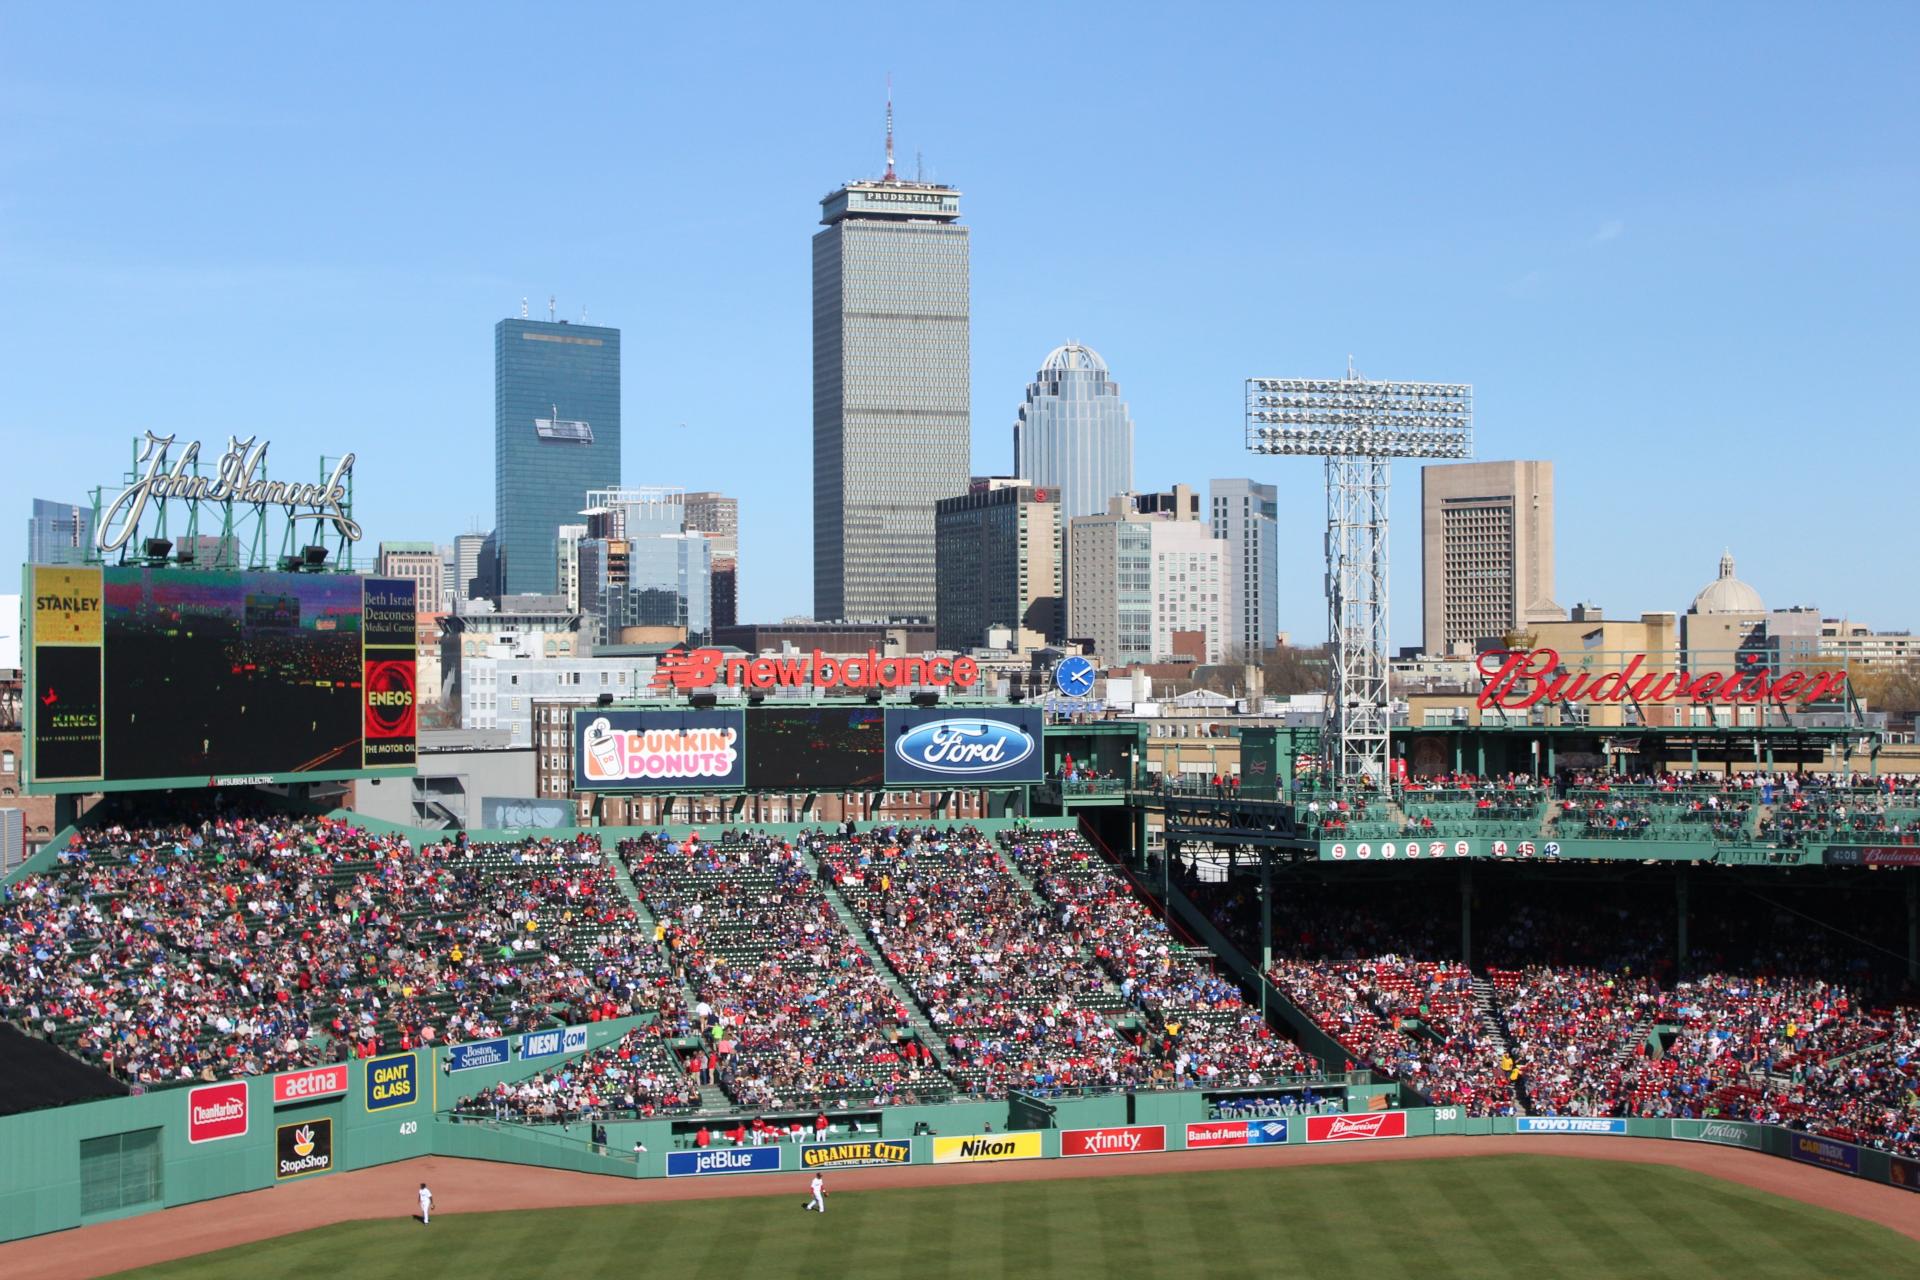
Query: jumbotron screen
[(156, 677), (816, 748)]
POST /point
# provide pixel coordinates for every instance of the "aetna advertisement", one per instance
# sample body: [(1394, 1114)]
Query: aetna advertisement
[(659, 750), (964, 747)]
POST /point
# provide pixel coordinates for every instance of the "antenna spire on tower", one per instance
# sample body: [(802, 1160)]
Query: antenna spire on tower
[(889, 175)]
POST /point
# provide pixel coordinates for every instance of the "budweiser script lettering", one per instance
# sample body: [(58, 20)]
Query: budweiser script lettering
[(237, 478), (1521, 678)]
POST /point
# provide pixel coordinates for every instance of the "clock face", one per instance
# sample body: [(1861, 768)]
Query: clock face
[(1074, 677)]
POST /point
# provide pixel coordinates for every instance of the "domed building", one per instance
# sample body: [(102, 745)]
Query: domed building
[(1729, 626), (1727, 594)]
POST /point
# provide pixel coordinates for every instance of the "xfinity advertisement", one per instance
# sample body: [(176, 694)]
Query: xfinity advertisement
[(964, 747)]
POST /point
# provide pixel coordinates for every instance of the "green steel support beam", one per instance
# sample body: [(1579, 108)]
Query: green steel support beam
[(1466, 913), (1266, 925), (1680, 917)]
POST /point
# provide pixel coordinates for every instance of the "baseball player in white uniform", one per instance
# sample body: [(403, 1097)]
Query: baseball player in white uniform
[(819, 1202), (426, 1205)]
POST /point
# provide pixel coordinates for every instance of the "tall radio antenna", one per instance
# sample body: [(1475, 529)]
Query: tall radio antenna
[(889, 176)]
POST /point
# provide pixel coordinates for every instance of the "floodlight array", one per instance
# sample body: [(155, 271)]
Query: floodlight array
[(1353, 418)]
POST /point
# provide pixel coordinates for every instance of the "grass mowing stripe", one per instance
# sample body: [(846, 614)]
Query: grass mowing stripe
[(1508, 1215), (1576, 1191)]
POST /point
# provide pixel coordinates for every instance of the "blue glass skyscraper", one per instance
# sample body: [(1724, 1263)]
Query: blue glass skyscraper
[(1074, 434), (556, 434)]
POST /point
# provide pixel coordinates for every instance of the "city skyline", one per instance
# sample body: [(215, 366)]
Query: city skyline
[(1711, 253)]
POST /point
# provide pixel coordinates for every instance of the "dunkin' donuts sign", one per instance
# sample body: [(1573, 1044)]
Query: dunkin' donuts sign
[(1521, 678)]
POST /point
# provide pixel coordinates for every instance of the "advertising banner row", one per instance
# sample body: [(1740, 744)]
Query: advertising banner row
[(219, 1111), (806, 748)]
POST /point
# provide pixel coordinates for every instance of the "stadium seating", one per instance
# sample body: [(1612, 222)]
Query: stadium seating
[(1207, 1034), (800, 1016), (635, 1077), (248, 945), (1021, 1004)]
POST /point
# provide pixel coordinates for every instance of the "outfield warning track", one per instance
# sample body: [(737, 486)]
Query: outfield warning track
[(481, 1186)]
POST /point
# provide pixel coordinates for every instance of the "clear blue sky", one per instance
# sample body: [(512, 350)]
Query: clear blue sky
[(1678, 253)]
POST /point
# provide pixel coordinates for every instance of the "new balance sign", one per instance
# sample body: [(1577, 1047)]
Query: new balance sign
[(683, 671), (1358, 1128), (216, 1111), (1569, 1124), (1236, 1133), (1124, 1141)]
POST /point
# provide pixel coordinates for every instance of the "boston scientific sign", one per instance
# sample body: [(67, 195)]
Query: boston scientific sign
[(238, 479)]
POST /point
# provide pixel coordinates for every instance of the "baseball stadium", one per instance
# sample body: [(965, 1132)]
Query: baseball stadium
[(1553, 995)]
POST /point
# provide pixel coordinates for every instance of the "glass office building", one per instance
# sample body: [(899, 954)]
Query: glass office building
[(891, 424), (1074, 435), (59, 533), (642, 572), (556, 434)]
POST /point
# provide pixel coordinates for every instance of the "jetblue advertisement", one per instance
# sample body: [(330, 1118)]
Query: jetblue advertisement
[(964, 747)]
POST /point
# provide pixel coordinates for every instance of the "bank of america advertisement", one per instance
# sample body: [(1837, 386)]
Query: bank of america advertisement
[(964, 747), (659, 750)]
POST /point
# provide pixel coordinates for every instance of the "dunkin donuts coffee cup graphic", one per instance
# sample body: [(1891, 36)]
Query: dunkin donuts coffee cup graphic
[(603, 751)]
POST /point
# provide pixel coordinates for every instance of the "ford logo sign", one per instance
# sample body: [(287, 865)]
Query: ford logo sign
[(963, 746)]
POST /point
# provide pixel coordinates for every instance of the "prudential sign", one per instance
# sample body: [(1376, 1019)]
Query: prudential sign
[(964, 748)]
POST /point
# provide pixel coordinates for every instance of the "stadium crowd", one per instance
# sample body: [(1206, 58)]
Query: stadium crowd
[(636, 1077), (239, 945), (790, 1009), (1021, 1003), (1207, 1035)]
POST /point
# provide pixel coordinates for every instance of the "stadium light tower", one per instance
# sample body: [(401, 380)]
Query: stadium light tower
[(1359, 427)]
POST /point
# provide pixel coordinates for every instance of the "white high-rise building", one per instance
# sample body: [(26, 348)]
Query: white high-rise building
[(1148, 581), (1074, 434), (1246, 516)]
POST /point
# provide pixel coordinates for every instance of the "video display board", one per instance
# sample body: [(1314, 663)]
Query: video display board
[(816, 748), (964, 747), (658, 750), (160, 677)]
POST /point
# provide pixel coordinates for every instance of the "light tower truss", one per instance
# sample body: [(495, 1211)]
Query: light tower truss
[(1359, 427)]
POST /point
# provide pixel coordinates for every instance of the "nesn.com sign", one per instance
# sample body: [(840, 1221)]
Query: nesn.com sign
[(544, 1044), (942, 748)]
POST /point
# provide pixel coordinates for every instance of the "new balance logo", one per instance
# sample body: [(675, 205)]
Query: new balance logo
[(682, 671)]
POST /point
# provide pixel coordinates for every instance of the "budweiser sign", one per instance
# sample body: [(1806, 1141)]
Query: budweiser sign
[(1357, 1128), (1521, 678), (683, 671)]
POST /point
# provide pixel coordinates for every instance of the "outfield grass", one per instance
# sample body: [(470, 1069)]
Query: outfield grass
[(1522, 1217)]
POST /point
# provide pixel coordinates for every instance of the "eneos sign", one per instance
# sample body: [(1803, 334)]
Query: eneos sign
[(682, 671), (216, 1111), (1521, 678)]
